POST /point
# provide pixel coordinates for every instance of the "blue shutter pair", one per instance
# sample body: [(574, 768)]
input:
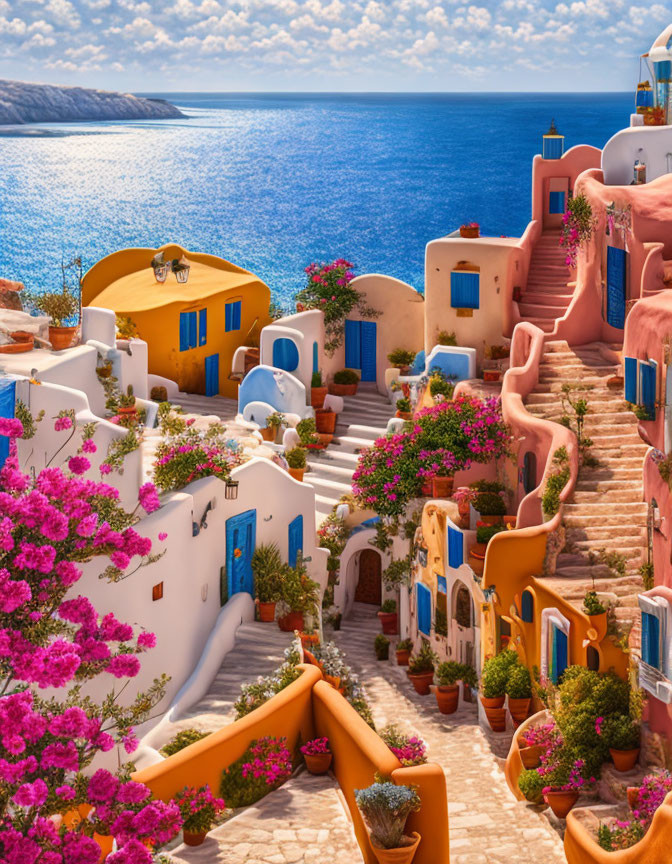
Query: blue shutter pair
[(455, 547), (424, 602), (232, 315), (464, 290), (651, 640), (188, 330)]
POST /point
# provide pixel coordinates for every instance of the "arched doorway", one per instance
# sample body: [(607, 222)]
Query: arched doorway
[(369, 578), (463, 624)]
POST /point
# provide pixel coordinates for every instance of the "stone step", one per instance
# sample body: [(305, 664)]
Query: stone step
[(610, 496), (622, 439), (599, 509), (359, 430), (606, 533), (350, 443), (326, 486), (530, 309), (605, 401), (597, 485), (323, 468)]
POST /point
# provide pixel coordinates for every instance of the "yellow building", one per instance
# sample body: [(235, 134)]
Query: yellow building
[(192, 328)]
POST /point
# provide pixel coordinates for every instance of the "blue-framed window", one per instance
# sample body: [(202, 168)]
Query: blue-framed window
[(556, 202), (193, 329), (232, 313), (455, 547), (465, 289), (424, 603), (648, 373), (527, 607), (630, 376), (651, 640), (202, 326)]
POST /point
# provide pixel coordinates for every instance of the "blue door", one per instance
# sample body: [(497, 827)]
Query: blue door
[(360, 347), (295, 543), (7, 401), (212, 375), (241, 533), (559, 653), (424, 602), (617, 266)]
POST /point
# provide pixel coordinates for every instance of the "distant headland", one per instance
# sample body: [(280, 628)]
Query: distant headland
[(22, 103)]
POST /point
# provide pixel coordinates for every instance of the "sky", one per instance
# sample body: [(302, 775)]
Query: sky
[(329, 45)]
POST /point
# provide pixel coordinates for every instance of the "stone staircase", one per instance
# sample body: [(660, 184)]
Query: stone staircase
[(258, 650), (606, 510), (547, 294), (219, 406), (363, 419)]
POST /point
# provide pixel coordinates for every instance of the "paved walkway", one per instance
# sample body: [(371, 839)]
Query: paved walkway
[(487, 824), (303, 822)]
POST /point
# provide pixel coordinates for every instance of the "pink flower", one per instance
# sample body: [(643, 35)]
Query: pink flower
[(62, 423), (162, 535), (79, 464), (89, 446), (148, 497)]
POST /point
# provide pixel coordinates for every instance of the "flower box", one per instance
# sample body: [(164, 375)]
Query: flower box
[(470, 231), (492, 375)]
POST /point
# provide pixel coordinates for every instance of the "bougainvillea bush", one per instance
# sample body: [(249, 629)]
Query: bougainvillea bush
[(623, 833), (578, 224), (329, 289), (188, 453), (264, 766), (53, 638), (443, 439)]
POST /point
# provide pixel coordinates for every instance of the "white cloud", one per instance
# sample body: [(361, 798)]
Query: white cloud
[(437, 17)]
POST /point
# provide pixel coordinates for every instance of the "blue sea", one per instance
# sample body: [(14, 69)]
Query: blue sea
[(274, 181)]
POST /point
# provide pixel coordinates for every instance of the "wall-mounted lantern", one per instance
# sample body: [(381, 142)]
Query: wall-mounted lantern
[(231, 489)]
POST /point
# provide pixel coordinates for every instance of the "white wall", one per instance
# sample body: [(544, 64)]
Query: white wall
[(649, 144)]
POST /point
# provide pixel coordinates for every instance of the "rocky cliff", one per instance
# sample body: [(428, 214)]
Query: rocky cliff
[(45, 103)]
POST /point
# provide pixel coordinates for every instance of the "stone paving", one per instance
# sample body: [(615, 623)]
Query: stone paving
[(487, 824)]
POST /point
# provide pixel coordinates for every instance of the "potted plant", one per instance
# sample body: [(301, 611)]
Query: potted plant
[(317, 755), (299, 597), (403, 652), (493, 687), (447, 689), (442, 484), (309, 640), (180, 268), (59, 306), (296, 460), (127, 402), (489, 502), (318, 390), (535, 741), (404, 409), (325, 421), (345, 383), (268, 569), (469, 681), (274, 422), (104, 370), (492, 373), (199, 810), (307, 431), (519, 691), (470, 230), (381, 646), (564, 781), (444, 337), (597, 613), (531, 784), (385, 807), (388, 617), (160, 266), (421, 669), (402, 360), (158, 393), (622, 736)]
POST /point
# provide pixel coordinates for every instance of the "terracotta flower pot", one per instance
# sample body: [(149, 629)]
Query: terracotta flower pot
[(291, 621), (309, 639), (126, 409), (383, 653), (469, 231), (463, 510), (531, 756), (325, 421), (491, 375), (343, 389), (421, 681), (447, 697), (477, 558), (61, 337), (624, 760), (466, 693), (496, 718), (267, 612), (388, 621), (519, 708), (269, 433), (297, 473), (194, 838), (403, 657), (616, 382), (442, 487), (493, 701), (404, 415), (561, 802), (401, 855), (317, 396), (318, 763)]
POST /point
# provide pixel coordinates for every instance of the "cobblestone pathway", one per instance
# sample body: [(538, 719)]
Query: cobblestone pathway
[(303, 822), (487, 824)]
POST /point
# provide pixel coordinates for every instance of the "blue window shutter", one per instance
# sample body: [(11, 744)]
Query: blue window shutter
[(464, 289), (442, 584), (647, 383), (455, 547), (527, 607), (651, 640), (193, 328), (202, 326), (353, 344), (227, 317), (556, 202), (236, 315), (559, 653), (212, 375), (316, 359), (630, 376), (617, 265), (295, 540), (7, 406), (184, 331), (424, 602), (368, 330)]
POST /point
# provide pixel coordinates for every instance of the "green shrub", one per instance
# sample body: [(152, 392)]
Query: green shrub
[(468, 675), (299, 592), (490, 504), (183, 739), (401, 357), (620, 732), (275, 420), (307, 430), (316, 380), (268, 569), (531, 784), (646, 572), (346, 376), (496, 673), (519, 683), (439, 385), (389, 606), (443, 337), (264, 688), (556, 482), (448, 673), (592, 605), (296, 457), (424, 661), (405, 645), (381, 645), (485, 533), (620, 836), (404, 405)]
